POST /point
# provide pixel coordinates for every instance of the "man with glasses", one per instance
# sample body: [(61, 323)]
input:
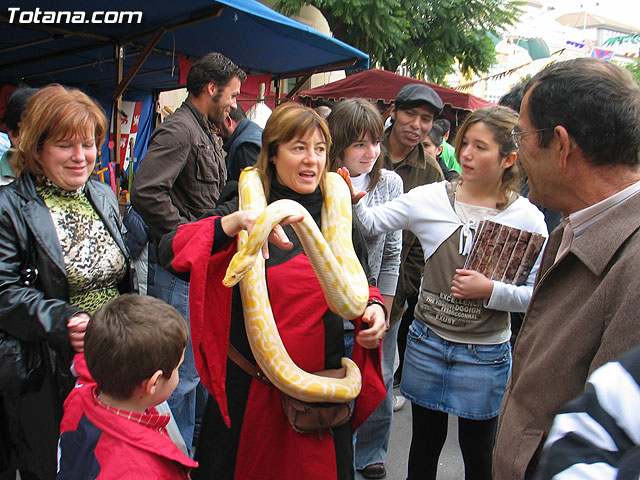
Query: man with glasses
[(579, 142), (516, 134)]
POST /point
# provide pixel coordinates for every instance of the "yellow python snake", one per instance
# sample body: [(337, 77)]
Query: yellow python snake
[(339, 272)]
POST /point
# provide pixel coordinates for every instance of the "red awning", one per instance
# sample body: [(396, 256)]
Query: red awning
[(381, 85)]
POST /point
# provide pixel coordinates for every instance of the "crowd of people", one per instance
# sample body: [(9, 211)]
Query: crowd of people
[(171, 382)]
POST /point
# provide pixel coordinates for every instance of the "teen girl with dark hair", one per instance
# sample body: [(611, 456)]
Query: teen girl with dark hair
[(357, 131)]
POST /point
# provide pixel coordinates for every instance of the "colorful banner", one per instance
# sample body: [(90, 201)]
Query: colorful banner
[(128, 130), (575, 44), (605, 55)]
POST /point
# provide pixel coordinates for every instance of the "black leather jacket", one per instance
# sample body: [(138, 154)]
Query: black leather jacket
[(30, 252)]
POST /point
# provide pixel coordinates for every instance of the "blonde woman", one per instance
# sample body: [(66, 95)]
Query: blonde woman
[(458, 357)]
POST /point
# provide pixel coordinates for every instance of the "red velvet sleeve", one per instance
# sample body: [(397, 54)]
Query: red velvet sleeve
[(209, 302)]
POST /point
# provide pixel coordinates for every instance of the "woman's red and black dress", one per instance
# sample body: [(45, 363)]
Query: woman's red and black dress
[(245, 434)]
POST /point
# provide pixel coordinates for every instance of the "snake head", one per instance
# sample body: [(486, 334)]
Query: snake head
[(238, 267), (230, 279)]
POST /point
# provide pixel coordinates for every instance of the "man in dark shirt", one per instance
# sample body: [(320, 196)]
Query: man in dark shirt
[(415, 108), (179, 180), (242, 142)]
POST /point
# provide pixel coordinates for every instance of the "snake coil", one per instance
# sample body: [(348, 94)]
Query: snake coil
[(334, 262)]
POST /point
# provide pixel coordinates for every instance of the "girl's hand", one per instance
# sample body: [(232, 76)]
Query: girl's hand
[(388, 302), (470, 285), (372, 337), (355, 197), (233, 223), (76, 327)]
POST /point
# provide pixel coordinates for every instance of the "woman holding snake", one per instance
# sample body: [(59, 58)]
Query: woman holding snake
[(261, 443), (458, 357)]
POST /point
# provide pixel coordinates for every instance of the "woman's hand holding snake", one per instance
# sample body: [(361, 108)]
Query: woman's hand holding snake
[(233, 223), (372, 337)]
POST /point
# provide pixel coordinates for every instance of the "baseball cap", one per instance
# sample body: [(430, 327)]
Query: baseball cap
[(415, 94)]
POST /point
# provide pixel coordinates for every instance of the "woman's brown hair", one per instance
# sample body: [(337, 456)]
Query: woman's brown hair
[(500, 121), (349, 121), (56, 113), (288, 121)]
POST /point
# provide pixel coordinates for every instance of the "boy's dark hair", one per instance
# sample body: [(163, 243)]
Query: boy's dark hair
[(213, 67), (16, 105), (443, 124), (436, 134), (129, 339)]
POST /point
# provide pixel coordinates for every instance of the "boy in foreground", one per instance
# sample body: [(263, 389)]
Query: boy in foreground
[(133, 347)]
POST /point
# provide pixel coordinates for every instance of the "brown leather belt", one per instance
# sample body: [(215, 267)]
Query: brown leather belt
[(253, 370), (240, 360)]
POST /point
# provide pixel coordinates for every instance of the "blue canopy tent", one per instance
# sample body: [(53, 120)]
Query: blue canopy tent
[(107, 59)]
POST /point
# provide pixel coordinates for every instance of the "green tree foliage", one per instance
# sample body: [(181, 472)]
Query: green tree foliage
[(634, 68), (429, 34)]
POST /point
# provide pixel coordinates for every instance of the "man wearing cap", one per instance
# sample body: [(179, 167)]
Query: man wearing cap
[(413, 112)]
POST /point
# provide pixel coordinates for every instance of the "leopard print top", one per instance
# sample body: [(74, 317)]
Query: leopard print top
[(95, 264)]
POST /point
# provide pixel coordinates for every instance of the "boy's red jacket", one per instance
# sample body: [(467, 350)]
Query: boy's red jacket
[(97, 443)]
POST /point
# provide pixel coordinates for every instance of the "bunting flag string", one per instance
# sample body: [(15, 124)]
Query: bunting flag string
[(466, 86)]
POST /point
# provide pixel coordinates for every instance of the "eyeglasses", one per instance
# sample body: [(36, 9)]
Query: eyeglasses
[(515, 134)]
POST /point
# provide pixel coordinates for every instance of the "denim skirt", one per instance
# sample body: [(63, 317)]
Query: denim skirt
[(466, 380)]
